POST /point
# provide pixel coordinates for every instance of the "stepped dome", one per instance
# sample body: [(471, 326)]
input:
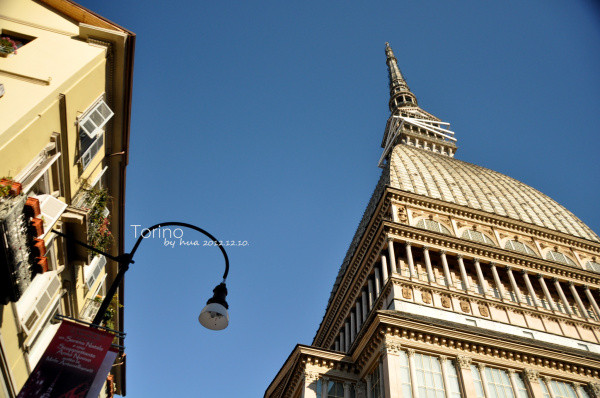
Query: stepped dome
[(451, 180)]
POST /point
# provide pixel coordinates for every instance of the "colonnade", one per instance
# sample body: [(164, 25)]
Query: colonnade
[(405, 260)]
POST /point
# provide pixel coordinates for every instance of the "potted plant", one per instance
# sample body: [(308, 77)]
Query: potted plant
[(38, 226), (14, 187), (32, 207), (39, 247), (42, 263), (7, 46)]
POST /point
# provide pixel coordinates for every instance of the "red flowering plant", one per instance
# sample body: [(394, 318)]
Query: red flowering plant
[(99, 235), (8, 45)]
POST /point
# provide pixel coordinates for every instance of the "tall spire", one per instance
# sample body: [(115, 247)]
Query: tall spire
[(400, 94), (409, 124)]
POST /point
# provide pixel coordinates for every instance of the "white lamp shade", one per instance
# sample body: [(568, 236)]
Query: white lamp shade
[(214, 317)]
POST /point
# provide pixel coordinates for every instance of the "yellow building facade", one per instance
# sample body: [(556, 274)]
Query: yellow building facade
[(65, 101), (459, 282)]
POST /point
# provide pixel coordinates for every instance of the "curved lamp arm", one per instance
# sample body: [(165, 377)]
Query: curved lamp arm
[(127, 258), (181, 224)]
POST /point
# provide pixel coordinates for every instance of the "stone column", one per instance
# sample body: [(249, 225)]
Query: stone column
[(446, 268), (484, 380), (592, 301), (546, 292), (480, 276), (337, 344), (443, 360), (347, 335), (547, 380), (391, 253), (364, 302), (381, 392), (347, 386), (392, 385), (513, 284), (369, 387), (578, 300), (352, 327), (324, 386), (309, 389), (360, 389), (464, 365), (411, 263), (413, 371), (377, 280), (384, 270), (371, 298), (358, 316), (430, 275), (576, 387), (513, 382), (342, 341), (497, 281), (562, 296), (530, 288), (532, 379), (463, 273)]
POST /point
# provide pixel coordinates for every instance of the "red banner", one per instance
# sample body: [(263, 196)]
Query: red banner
[(70, 363)]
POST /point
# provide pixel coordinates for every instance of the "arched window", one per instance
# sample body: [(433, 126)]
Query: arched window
[(593, 266), (433, 226), (559, 258), (477, 236), (519, 247)]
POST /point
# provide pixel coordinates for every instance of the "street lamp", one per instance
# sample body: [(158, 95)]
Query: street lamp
[(214, 316)]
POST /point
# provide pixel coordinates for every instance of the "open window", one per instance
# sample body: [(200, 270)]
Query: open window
[(91, 131)]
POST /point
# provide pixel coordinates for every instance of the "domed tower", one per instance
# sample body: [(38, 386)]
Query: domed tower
[(459, 282)]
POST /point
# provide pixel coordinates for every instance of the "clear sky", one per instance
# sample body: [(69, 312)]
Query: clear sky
[(262, 122)]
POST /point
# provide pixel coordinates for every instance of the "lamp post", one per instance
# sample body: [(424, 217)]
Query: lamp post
[(214, 316)]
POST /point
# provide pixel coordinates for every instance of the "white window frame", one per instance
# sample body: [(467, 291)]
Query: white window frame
[(92, 151), (93, 121), (51, 209), (39, 173), (92, 271), (45, 287)]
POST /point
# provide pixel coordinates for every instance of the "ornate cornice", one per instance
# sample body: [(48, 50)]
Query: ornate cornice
[(466, 347), (477, 250), (492, 219)]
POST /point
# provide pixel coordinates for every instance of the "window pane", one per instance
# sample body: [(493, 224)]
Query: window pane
[(405, 375), (97, 118), (429, 376)]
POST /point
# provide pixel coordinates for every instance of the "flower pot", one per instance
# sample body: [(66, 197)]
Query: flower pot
[(38, 226), (39, 247), (42, 263), (32, 207), (15, 187)]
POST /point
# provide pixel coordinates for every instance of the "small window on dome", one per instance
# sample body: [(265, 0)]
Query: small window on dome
[(593, 266), (433, 226), (477, 236), (559, 258), (519, 247)]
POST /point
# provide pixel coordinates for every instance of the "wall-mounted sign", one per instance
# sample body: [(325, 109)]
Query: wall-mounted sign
[(73, 360)]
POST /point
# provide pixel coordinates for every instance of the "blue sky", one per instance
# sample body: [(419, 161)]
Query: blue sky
[(261, 122)]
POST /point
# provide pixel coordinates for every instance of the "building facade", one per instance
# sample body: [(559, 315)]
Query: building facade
[(65, 100), (459, 282)]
